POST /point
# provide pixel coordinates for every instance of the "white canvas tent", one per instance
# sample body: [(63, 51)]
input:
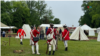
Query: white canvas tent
[(98, 39), (85, 27), (3, 26), (10, 27), (27, 30), (45, 25), (55, 25), (78, 34), (91, 31), (48, 25), (98, 30)]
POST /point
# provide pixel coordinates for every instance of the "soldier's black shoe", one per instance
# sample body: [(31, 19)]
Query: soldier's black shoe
[(66, 49), (49, 53), (53, 53), (21, 43)]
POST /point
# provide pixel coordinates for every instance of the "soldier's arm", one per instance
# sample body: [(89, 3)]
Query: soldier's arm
[(55, 32), (37, 32), (63, 33), (48, 31), (24, 32)]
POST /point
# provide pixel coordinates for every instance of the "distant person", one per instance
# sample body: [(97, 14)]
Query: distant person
[(31, 36), (21, 33), (46, 31), (65, 37), (60, 33), (3, 33), (42, 34), (38, 29), (56, 37), (57, 33), (0, 32)]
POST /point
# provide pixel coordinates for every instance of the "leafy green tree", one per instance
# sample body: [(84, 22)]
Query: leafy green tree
[(17, 13), (56, 21), (86, 18), (39, 14), (48, 17), (6, 16), (20, 13), (33, 13), (41, 8), (3, 5), (95, 13), (45, 20), (91, 15)]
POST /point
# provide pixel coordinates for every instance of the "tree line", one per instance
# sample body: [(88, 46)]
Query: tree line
[(91, 15), (17, 13)]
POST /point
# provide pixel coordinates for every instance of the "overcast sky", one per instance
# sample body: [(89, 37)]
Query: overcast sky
[(68, 12)]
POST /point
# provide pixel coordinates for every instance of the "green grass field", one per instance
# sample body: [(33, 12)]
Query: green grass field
[(75, 48)]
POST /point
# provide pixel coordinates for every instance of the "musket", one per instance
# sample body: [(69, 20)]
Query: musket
[(47, 48)]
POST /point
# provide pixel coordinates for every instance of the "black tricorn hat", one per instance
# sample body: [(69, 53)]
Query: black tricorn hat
[(51, 24), (32, 27), (55, 27), (64, 26), (20, 27)]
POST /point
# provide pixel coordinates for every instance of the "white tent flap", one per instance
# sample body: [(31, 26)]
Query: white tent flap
[(91, 33), (78, 33), (98, 39), (98, 30), (86, 27), (82, 35), (75, 34)]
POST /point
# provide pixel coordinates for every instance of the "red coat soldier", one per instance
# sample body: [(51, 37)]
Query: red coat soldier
[(51, 32), (34, 33), (21, 33), (65, 37)]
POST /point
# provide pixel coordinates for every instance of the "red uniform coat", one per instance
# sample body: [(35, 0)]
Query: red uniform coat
[(34, 32), (64, 33), (49, 30), (21, 33)]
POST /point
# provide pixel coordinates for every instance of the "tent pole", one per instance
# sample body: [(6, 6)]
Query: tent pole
[(79, 35), (9, 41), (9, 36)]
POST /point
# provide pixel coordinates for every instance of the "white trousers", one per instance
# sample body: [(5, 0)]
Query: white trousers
[(65, 43), (21, 39), (37, 48), (53, 43)]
